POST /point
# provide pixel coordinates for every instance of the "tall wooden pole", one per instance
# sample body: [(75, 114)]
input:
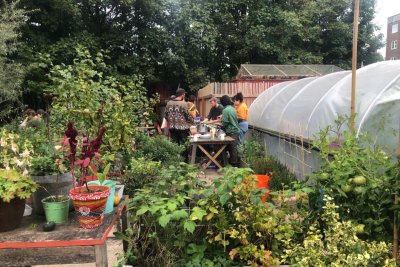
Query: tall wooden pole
[(395, 249), (354, 63)]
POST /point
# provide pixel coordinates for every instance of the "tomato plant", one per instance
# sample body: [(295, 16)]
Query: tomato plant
[(355, 171)]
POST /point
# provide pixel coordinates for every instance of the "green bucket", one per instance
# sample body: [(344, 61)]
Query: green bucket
[(56, 211)]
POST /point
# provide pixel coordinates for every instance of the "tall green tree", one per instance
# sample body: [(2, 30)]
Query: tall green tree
[(192, 42), (11, 72)]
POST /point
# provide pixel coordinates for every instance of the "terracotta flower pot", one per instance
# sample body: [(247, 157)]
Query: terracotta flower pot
[(90, 205)]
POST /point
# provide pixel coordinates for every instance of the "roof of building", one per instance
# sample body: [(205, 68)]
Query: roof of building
[(254, 71), (394, 18)]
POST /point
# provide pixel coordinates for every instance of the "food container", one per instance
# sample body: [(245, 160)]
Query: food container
[(202, 128)]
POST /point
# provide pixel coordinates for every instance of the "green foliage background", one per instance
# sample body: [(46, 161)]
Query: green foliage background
[(171, 42)]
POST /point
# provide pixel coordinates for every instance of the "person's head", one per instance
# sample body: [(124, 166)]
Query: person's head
[(180, 93), (30, 112), (238, 98), (40, 113), (192, 98), (226, 100), (213, 102)]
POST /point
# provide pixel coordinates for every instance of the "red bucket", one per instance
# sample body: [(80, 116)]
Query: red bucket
[(262, 182)]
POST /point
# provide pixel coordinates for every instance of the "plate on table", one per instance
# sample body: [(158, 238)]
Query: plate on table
[(205, 136)]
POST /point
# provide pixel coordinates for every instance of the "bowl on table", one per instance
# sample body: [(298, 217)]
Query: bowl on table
[(205, 136)]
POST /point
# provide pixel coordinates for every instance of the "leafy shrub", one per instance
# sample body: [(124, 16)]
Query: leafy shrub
[(262, 165), (355, 172), (181, 222), (251, 150), (89, 93), (281, 178), (141, 172), (161, 229), (158, 148), (336, 244)]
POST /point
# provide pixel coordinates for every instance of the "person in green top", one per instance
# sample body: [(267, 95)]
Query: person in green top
[(231, 127)]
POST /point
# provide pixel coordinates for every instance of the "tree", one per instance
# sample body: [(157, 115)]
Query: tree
[(190, 42), (11, 73)]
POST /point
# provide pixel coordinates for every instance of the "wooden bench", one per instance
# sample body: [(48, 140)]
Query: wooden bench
[(68, 243)]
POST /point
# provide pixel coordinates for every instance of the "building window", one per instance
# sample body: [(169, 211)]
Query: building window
[(392, 58), (394, 44), (395, 28)]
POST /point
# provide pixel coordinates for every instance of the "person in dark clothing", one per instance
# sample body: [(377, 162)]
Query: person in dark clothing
[(215, 112), (178, 118), (231, 127)]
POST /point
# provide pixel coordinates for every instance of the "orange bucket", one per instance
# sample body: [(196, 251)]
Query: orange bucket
[(262, 182)]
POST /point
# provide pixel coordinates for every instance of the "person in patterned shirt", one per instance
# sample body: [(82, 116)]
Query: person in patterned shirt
[(178, 117)]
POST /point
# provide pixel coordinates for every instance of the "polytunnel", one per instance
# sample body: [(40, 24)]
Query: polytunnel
[(300, 109)]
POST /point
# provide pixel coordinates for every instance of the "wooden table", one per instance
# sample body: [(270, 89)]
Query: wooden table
[(200, 143), (29, 245)]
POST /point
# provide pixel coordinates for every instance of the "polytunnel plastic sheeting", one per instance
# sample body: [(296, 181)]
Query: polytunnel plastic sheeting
[(295, 116), (305, 106), (371, 83), (273, 109), (259, 103), (383, 120)]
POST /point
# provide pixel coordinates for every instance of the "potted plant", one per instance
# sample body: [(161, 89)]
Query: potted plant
[(46, 166), (254, 157), (56, 208), (102, 180), (89, 200), (15, 185), (52, 176)]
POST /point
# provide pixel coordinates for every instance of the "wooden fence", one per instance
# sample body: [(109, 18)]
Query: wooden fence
[(250, 90)]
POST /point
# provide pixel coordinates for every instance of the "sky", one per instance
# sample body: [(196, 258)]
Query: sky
[(385, 9)]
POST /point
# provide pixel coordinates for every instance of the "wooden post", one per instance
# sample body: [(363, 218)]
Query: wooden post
[(101, 255), (396, 202), (354, 64)]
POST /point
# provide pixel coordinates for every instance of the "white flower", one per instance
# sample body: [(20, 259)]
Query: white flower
[(19, 163), (25, 154), (25, 172), (14, 148), (58, 148)]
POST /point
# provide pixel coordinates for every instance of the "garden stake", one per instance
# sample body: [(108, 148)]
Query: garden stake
[(396, 202)]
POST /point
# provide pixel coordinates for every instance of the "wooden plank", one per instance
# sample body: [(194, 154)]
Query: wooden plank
[(101, 255), (39, 256), (67, 234)]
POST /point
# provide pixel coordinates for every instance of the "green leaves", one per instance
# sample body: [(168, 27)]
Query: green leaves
[(189, 226), (197, 214), (359, 175), (142, 210), (164, 220)]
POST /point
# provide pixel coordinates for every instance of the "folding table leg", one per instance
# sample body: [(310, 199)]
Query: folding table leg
[(194, 150), (101, 255)]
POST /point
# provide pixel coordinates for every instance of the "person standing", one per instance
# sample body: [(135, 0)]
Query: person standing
[(231, 127), (242, 114), (192, 106), (215, 111), (178, 118)]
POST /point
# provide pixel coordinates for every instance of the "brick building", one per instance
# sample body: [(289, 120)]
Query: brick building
[(393, 38)]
